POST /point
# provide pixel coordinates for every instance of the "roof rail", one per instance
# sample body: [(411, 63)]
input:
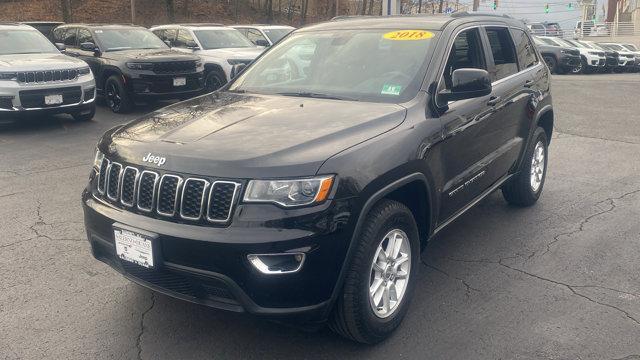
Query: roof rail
[(466, 13), (345, 17), (198, 24), (10, 23)]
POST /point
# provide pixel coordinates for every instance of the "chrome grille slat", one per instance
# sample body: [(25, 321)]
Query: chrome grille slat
[(102, 175), (219, 205), (113, 180), (168, 192), (193, 195), (129, 186), (146, 190)]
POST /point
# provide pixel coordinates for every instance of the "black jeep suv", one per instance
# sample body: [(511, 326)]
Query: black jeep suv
[(304, 189), (131, 63)]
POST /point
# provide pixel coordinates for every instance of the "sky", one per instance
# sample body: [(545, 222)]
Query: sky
[(533, 10)]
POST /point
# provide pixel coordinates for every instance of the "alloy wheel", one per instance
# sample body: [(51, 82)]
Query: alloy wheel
[(113, 97), (389, 275), (537, 166)]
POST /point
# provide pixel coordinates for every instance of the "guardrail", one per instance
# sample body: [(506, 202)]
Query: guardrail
[(605, 29)]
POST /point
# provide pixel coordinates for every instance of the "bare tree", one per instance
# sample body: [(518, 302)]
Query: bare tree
[(171, 10), (303, 15), (66, 10)]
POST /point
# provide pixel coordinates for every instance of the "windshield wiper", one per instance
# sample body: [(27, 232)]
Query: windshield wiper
[(316, 95)]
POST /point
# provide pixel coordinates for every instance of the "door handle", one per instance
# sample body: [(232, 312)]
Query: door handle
[(493, 100), (528, 83)]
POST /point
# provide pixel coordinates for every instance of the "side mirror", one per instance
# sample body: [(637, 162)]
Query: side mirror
[(237, 70), (192, 45), (62, 47), (467, 83), (262, 42), (89, 46)]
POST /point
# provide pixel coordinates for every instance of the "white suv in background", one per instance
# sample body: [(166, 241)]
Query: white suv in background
[(593, 59), (264, 35), (219, 46), (35, 78)]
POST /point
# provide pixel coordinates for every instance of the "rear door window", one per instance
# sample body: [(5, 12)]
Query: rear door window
[(524, 48), (503, 51)]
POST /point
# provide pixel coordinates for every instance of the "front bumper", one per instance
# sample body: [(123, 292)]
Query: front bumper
[(156, 86), (208, 265), (19, 99)]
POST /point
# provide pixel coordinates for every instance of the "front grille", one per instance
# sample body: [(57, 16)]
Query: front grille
[(89, 94), (6, 102), (174, 67), (128, 191), (113, 181), (35, 98), (164, 84), (168, 196), (193, 198), (46, 76)]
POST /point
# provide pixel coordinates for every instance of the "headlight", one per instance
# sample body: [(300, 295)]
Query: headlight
[(84, 71), (295, 192), (97, 160), (140, 66), (593, 53), (238, 61), (8, 76)]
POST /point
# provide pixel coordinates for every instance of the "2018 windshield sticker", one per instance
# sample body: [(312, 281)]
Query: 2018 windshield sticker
[(391, 89), (408, 35)]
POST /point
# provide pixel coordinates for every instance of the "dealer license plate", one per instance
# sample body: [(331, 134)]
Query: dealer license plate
[(134, 247), (53, 99), (180, 81)]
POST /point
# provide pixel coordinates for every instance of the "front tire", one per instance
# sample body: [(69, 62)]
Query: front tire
[(116, 95), (214, 81), (381, 278), (525, 188)]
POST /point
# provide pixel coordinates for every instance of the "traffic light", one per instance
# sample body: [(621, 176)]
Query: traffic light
[(546, 8), (495, 4), (570, 6)]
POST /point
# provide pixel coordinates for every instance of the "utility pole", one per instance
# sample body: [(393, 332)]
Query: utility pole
[(133, 11), (476, 4), (440, 8)]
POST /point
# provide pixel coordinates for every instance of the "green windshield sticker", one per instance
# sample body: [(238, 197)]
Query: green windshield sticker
[(391, 89)]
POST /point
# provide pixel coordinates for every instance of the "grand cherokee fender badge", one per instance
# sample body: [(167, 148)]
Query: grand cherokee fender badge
[(158, 160)]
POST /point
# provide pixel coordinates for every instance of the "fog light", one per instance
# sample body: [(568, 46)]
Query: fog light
[(284, 263)]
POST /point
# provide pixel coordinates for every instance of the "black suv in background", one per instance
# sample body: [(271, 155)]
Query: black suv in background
[(307, 193), (131, 63)]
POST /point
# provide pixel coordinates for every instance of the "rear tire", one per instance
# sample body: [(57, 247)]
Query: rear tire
[(370, 316), (86, 115), (116, 95), (525, 188)]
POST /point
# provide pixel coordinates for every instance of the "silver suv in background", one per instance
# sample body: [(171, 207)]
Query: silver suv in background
[(264, 35), (36, 78), (219, 46)]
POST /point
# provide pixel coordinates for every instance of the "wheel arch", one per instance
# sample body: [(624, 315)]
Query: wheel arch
[(545, 121), (398, 190), (107, 73)]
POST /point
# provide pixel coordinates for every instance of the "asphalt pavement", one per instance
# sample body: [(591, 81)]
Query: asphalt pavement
[(560, 280)]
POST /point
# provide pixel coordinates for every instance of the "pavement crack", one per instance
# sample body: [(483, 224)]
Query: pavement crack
[(571, 288), (570, 134), (142, 328), (468, 288), (610, 207)]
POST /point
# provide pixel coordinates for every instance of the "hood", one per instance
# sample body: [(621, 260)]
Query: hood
[(35, 62), (233, 53), (150, 55), (247, 136)]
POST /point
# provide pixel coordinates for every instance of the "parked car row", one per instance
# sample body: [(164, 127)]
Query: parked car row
[(577, 56), (123, 63)]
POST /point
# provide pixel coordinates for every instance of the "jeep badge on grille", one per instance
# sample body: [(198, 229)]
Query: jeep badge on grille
[(158, 160)]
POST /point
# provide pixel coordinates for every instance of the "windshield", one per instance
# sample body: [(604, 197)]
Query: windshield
[(614, 47), (367, 65), (125, 39), (565, 43), (24, 42), (576, 44), (276, 34), (631, 47), (222, 38)]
